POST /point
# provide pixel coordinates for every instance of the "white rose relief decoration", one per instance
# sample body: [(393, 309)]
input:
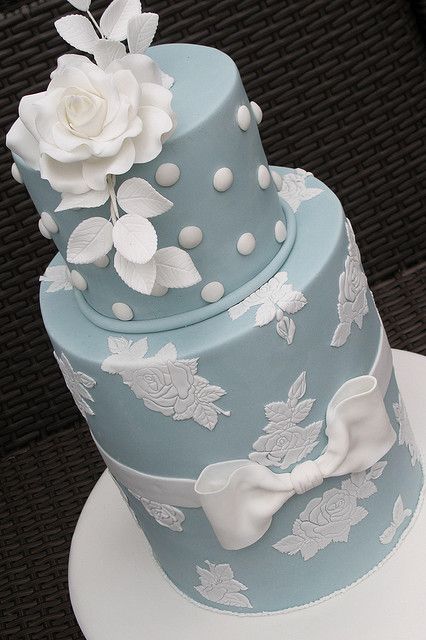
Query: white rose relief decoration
[(330, 518), (294, 189), (406, 435), (275, 298), (217, 584), (78, 384), (285, 442), (164, 383), (352, 303), (93, 123)]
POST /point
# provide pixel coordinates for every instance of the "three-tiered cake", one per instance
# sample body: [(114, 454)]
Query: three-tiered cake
[(213, 323)]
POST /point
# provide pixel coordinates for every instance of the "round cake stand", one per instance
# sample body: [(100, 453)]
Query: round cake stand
[(118, 591)]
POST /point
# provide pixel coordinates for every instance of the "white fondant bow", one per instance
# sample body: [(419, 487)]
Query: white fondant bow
[(239, 497)]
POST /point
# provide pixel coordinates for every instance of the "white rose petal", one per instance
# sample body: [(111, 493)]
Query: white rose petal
[(84, 200)]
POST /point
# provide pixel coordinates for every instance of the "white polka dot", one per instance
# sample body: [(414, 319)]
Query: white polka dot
[(49, 222), (44, 232), (167, 174), (158, 290), (102, 262), (243, 117), (223, 179), (212, 292), (16, 174), (263, 177), (257, 111), (280, 231), (246, 244), (78, 281), (278, 181), (122, 311), (190, 237)]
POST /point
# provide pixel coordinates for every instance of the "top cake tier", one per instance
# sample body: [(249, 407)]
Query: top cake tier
[(214, 171)]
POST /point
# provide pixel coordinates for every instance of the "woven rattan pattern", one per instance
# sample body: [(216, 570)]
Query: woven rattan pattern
[(342, 85), (42, 492)]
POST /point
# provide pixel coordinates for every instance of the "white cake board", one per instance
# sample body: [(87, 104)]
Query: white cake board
[(119, 593)]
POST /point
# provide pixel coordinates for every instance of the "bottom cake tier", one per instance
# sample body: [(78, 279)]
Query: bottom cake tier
[(306, 355)]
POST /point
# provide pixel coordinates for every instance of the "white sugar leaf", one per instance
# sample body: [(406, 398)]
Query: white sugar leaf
[(235, 599), (83, 5), (388, 534), (167, 353), (290, 544), (210, 393), (286, 329), (106, 51), (175, 268), (302, 409), (137, 196), (89, 241), (135, 238), (278, 412), (205, 416), (87, 200), (265, 314), (139, 348), (118, 345), (116, 17), (298, 388), (78, 31), (141, 31), (59, 278), (292, 302), (341, 334), (140, 277), (377, 470)]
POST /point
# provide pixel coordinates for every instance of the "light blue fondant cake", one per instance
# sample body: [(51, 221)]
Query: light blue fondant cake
[(213, 323)]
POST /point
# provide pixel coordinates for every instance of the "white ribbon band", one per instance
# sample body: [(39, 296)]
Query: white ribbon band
[(239, 497)]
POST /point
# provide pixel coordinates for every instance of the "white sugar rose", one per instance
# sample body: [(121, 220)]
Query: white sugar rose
[(91, 123)]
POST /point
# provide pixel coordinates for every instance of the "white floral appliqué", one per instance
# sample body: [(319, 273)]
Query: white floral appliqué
[(285, 442), (219, 585), (294, 190), (406, 435), (59, 278), (352, 303), (164, 383), (78, 383), (330, 518), (274, 298), (165, 514), (399, 515)]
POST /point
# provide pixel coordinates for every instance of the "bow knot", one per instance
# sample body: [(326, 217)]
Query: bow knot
[(306, 476), (239, 497)]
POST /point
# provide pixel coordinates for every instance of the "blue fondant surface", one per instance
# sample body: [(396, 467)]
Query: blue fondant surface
[(206, 96)]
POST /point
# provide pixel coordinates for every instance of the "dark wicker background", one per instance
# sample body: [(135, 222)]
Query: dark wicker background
[(343, 87)]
